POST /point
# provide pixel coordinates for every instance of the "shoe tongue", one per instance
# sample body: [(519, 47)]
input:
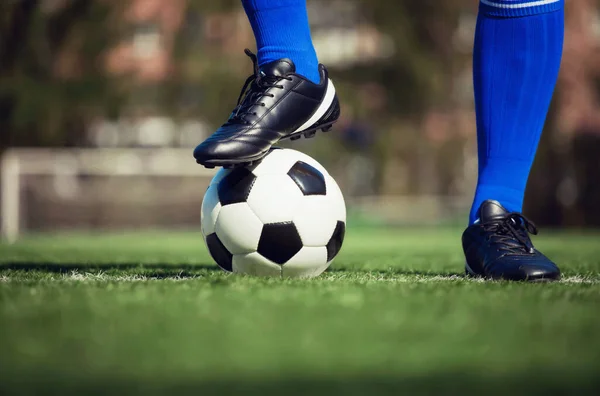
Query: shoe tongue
[(278, 68), (491, 211)]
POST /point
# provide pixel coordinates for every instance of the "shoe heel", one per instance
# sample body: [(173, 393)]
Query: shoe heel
[(325, 124), (331, 116)]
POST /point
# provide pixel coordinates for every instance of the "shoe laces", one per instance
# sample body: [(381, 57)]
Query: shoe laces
[(511, 234), (254, 90)]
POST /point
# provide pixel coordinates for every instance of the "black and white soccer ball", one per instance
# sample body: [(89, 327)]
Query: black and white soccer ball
[(284, 217)]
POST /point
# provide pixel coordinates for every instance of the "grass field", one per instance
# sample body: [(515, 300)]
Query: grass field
[(147, 313)]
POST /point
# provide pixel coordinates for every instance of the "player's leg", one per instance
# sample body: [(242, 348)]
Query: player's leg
[(289, 94), (517, 53)]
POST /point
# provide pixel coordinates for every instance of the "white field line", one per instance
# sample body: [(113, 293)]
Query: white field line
[(76, 276), (100, 277), (579, 279), (408, 278)]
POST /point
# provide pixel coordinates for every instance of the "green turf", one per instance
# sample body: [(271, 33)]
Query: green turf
[(147, 313)]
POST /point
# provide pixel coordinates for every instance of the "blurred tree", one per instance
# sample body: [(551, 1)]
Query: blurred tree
[(563, 188), (207, 52), (416, 80), (52, 76), (416, 101)]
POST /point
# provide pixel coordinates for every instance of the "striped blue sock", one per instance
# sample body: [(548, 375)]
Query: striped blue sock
[(282, 31), (517, 53)]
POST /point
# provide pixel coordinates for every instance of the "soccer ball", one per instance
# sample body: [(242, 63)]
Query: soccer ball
[(283, 217)]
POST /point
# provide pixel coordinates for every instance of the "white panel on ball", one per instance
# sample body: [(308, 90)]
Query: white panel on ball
[(210, 210), (315, 220), (337, 198), (307, 263), (255, 264), (277, 162), (238, 228), (274, 198)]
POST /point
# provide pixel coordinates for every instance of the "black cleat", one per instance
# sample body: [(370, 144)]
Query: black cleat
[(498, 247), (275, 104)]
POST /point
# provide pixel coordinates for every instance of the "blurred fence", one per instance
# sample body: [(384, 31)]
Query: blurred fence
[(55, 190)]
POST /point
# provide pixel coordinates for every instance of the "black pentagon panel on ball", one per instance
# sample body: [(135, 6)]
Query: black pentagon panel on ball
[(308, 178), (279, 242), (335, 243), (219, 252), (236, 186)]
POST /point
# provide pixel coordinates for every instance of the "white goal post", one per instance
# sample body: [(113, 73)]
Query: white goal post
[(16, 163)]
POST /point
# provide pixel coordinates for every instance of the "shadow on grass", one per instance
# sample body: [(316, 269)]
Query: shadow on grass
[(463, 383), (156, 271)]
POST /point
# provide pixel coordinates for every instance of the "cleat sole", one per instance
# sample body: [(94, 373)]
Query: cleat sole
[(236, 163)]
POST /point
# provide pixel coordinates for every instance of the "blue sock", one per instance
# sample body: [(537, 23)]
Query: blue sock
[(516, 58), (281, 30)]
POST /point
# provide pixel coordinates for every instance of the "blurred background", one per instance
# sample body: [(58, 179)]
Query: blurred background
[(102, 102)]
